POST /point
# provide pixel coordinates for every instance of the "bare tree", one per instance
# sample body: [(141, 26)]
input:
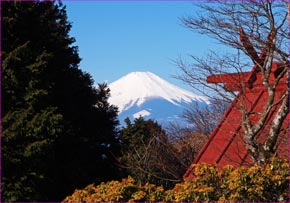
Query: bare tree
[(258, 34), (204, 118), (149, 154), (185, 142)]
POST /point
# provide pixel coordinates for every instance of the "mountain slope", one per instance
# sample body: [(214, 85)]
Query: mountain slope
[(145, 94)]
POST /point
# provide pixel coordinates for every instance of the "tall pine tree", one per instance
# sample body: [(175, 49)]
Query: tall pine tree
[(58, 131)]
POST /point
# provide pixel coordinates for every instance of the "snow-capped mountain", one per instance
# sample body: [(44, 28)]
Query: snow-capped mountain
[(147, 95)]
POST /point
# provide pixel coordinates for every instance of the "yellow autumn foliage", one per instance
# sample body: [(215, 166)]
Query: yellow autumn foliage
[(211, 184)]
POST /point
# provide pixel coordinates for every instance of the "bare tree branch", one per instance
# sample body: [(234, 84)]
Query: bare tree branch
[(257, 30)]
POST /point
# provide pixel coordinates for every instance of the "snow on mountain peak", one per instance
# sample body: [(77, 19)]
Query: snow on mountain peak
[(141, 113), (137, 87)]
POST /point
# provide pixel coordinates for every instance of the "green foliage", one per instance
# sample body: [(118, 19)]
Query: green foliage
[(27, 146), (148, 155), (59, 132), (140, 132), (210, 184)]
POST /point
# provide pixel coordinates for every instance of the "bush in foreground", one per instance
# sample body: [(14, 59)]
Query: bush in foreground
[(264, 184)]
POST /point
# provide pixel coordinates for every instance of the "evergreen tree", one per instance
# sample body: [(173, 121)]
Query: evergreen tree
[(59, 132), (148, 155)]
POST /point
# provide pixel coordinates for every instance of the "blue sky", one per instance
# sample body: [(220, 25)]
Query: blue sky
[(115, 38)]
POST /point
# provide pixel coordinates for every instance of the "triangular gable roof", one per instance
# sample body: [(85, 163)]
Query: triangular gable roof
[(225, 145)]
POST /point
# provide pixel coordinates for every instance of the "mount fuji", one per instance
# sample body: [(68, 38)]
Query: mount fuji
[(146, 94)]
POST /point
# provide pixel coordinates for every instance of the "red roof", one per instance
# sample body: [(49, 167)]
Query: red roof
[(225, 144)]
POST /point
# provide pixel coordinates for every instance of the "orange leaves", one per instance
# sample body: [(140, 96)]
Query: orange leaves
[(115, 191), (267, 184)]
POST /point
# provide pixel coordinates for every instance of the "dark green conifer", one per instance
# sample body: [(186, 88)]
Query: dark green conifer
[(147, 153), (58, 131)]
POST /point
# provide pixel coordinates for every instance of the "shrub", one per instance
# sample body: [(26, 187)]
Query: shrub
[(211, 184), (259, 184), (125, 190)]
